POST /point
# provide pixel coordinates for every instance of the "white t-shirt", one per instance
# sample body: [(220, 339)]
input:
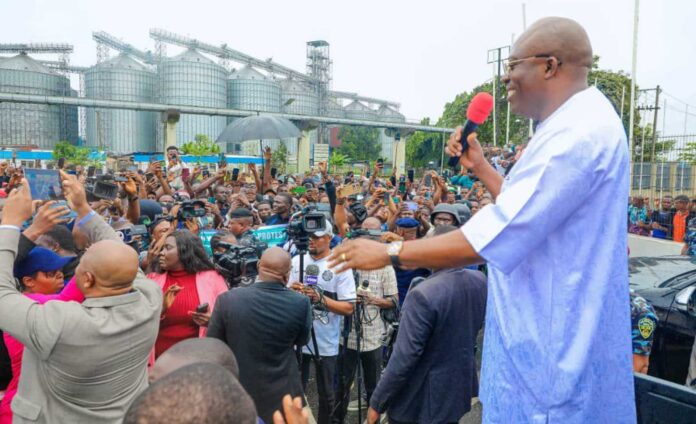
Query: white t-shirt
[(336, 286)]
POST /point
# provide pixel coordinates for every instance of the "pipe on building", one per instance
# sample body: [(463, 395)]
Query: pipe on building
[(198, 110)]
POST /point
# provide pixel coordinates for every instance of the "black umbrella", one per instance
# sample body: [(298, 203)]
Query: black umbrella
[(258, 127)]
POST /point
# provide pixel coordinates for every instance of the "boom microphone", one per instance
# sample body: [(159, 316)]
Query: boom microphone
[(311, 275), (476, 114)]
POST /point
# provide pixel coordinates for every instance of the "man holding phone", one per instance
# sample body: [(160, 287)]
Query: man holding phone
[(175, 167)]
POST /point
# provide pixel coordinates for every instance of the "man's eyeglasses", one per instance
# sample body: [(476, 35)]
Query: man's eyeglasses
[(509, 64)]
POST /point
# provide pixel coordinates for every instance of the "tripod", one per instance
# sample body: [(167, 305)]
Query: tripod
[(356, 322), (302, 245)]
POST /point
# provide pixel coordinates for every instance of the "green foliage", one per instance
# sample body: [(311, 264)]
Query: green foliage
[(423, 147), (74, 155), (455, 114), (337, 160), (359, 143), (279, 159), (661, 147), (688, 153), (201, 146)]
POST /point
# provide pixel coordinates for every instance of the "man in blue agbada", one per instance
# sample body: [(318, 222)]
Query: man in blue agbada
[(557, 345)]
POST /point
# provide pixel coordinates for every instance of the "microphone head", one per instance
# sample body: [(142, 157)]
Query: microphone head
[(365, 284), (479, 108), (312, 270), (311, 277)]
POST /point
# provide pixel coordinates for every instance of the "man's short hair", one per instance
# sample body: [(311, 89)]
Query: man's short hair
[(62, 237), (198, 393), (681, 198), (286, 198), (172, 148)]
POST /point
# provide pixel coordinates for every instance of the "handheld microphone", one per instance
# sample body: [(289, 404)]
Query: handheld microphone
[(476, 114), (364, 290), (311, 275)]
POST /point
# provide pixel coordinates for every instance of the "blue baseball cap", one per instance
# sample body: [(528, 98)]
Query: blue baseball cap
[(40, 259)]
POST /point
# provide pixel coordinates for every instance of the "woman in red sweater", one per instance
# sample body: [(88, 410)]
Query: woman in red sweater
[(188, 280)]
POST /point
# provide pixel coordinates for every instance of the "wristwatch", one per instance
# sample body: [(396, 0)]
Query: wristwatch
[(393, 250)]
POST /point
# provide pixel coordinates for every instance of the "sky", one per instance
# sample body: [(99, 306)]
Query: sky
[(418, 53)]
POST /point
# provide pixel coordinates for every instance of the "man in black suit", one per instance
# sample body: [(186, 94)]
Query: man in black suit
[(431, 376), (261, 324)]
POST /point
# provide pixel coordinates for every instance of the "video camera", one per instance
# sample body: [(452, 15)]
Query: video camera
[(238, 264), (102, 187), (304, 223), (191, 209)]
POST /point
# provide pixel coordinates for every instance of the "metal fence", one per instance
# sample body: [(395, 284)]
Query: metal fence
[(666, 166)]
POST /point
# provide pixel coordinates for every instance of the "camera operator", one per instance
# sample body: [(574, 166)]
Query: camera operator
[(240, 224), (380, 293), (332, 296)]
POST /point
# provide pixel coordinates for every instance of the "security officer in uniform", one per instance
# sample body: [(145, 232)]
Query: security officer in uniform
[(240, 224), (643, 325)]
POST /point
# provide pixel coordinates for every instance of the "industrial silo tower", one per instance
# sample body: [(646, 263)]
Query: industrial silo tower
[(121, 130), (34, 124), (191, 79)]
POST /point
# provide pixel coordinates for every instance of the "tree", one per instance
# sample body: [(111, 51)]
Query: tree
[(688, 153), (74, 155), (423, 147), (359, 143), (455, 114), (279, 158), (337, 160), (201, 146)]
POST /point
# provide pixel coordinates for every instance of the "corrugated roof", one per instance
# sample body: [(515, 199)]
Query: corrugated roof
[(357, 106), (192, 55), (123, 61), (22, 62), (387, 112), (248, 72)]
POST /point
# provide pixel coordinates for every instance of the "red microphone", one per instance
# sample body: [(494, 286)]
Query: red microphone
[(476, 114)]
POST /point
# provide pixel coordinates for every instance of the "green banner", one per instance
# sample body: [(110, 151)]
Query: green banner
[(205, 236), (272, 235)]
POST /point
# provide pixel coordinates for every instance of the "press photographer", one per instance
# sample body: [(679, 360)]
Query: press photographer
[(376, 292), (332, 296)]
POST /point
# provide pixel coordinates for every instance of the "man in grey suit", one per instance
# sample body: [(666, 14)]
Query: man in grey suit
[(83, 363)]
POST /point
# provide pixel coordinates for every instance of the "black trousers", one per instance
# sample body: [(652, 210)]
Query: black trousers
[(325, 384), (371, 362)]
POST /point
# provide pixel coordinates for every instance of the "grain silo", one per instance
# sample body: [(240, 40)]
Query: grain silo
[(32, 124), (191, 79), (119, 130)]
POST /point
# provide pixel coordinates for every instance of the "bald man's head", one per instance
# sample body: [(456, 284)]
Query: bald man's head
[(371, 223), (560, 37), (274, 265), (548, 64), (107, 268)]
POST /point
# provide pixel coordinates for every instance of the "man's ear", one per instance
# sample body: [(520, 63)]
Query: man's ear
[(89, 280)]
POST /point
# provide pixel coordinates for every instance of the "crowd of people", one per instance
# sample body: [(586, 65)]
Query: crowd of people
[(343, 323), (669, 217), (157, 295), (106, 331)]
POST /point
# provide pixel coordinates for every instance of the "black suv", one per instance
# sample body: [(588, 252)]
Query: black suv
[(668, 283)]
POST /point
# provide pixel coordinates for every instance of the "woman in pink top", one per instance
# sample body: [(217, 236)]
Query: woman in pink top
[(40, 279), (188, 280)]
